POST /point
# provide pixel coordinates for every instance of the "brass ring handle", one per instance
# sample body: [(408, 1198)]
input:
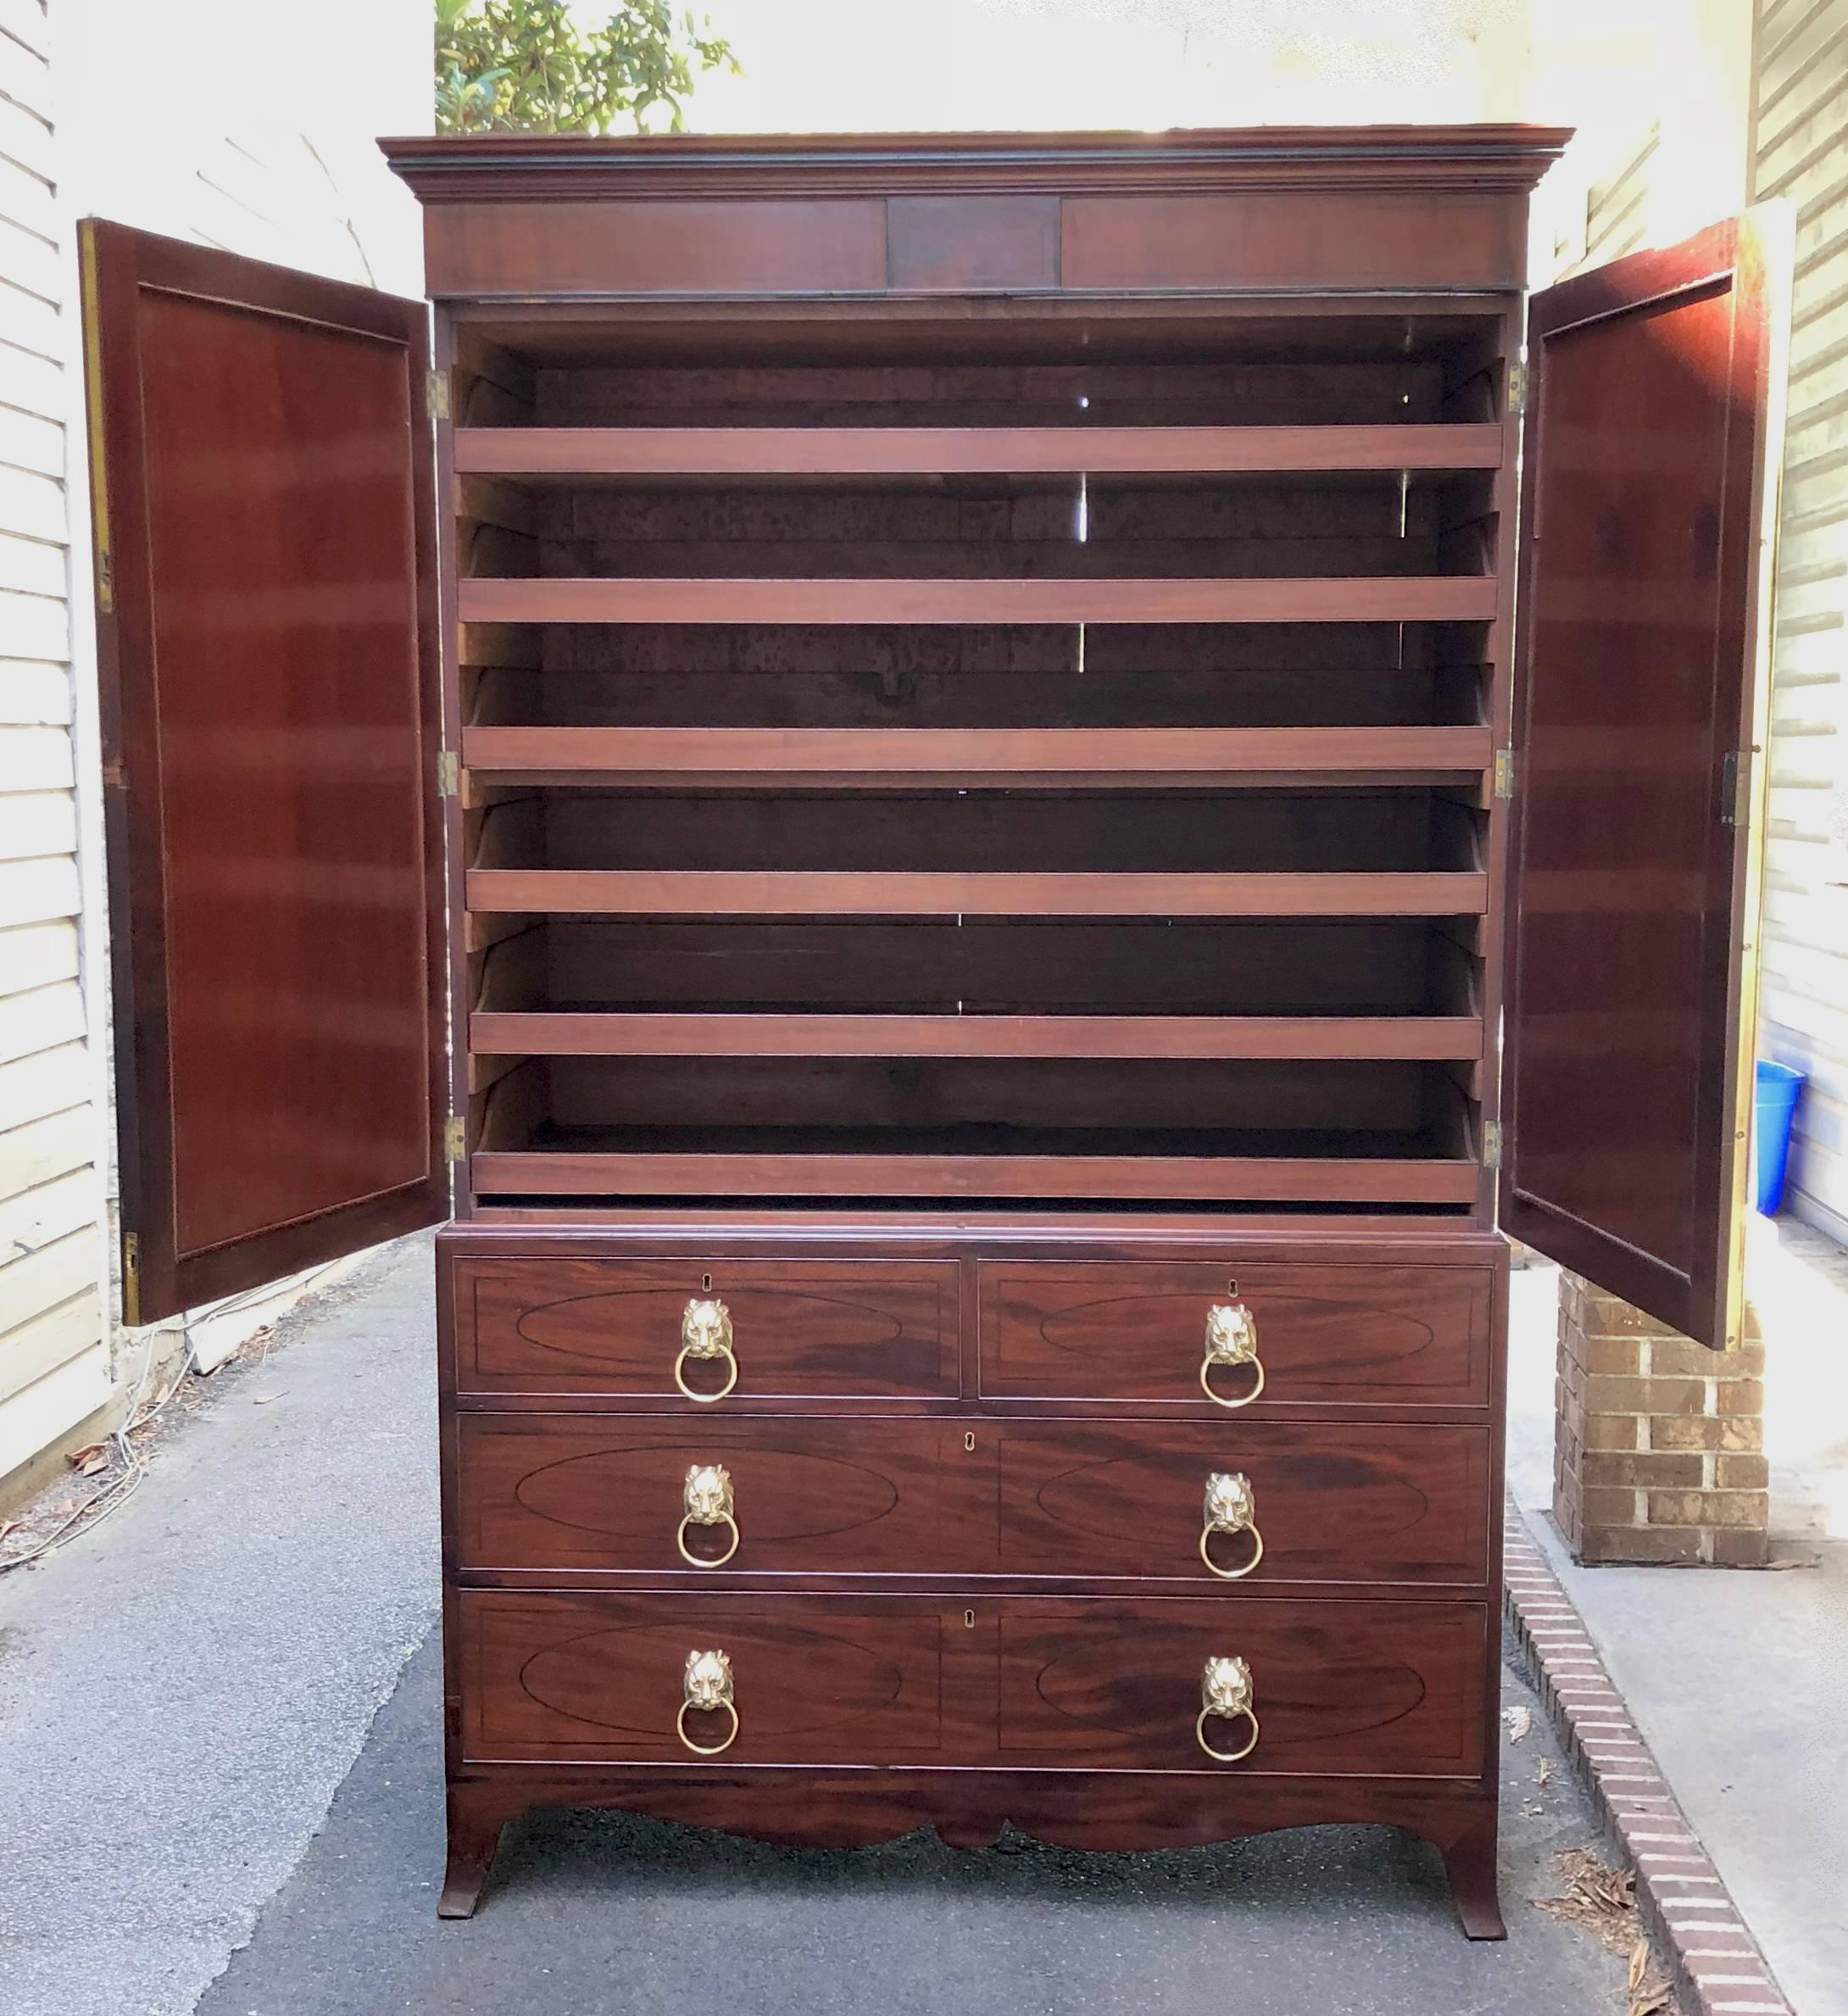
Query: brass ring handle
[(708, 1687), (714, 1749), (1230, 1508), (707, 1501), (1226, 1696), (1232, 1338), (705, 1332), (1226, 1756)]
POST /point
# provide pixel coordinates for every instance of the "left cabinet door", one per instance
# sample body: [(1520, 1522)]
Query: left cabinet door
[(263, 509)]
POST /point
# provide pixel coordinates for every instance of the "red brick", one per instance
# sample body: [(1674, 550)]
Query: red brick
[(1610, 1431), (1742, 1433), (1661, 1468), (1742, 1473), (1706, 1508), (1742, 1548), (1610, 1505), (1606, 1546), (1645, 1396), (1678, 1355), (1740, 1396), (1620, 1356)]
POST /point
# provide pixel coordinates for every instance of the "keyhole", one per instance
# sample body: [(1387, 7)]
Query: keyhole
[(1231, 1286), (969, 1441), (968, 1620), (706, 1285)]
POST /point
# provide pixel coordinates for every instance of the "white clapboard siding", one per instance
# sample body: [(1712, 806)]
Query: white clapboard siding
[(53, 1361), (1802, 155)]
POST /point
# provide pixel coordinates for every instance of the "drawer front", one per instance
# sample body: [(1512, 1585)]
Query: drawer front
[(1343, 1501), (599, 1678), (587, 1491), (1394, 1688), (1346, 1335), (800, 1329)]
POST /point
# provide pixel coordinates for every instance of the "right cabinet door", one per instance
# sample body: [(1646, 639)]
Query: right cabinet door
[(1652, 441)]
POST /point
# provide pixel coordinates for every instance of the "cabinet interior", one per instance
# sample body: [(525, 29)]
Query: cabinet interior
[(1010, 756)]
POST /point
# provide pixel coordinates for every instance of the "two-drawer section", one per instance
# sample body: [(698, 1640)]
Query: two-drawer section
[(1255, 1687), (1258, 1502)]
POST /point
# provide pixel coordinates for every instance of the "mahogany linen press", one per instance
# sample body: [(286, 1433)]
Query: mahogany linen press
[(933, 772)]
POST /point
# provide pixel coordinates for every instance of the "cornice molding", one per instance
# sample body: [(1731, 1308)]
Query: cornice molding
[(530, 167)]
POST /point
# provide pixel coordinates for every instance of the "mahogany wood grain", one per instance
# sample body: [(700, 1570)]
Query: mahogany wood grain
[(965, 243), (682, 893), (758, 1035), (1328, 1335), (1226, 1179), (1385, 598), (813, 1497), (1378, 239), (1003, 450), (819, 1499), (681, 247), (1652, 464), (811, 1329), (267, 649), (1021, 759), (860, 1680), (1337, 1502), (1373, 1689)]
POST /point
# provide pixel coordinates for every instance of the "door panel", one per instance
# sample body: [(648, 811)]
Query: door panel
[(1651, 444), (263, 492)]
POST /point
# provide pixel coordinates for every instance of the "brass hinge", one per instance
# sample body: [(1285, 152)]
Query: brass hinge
[(1517, 389), (1735, 788), (1492, 1145), (1504, 773), (436, 394), (455, 1146), (131, 1279), (448, 773)]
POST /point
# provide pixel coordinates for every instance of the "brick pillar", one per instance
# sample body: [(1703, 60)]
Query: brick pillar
[(1658, 1447)]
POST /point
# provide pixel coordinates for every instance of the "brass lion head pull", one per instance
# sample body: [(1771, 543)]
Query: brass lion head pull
[(1232, 1338), (707, 1501), (705, 1332), (707, 1691), (1225, 1694), (1230, 1508)]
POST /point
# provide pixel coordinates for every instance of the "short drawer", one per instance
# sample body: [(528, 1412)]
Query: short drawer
[(800, 1329), (1338, 1502), (598, 1679), (1375, 1689), (850, 1495), (1351, 1336)]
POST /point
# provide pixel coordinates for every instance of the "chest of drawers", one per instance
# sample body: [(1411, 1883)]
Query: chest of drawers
[(1120, 1537)]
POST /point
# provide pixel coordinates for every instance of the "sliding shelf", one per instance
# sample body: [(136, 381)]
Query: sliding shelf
[(1127, 1179), (584, 1033), (604, 892), (593, 452), (1334, 599), (1048, 758)]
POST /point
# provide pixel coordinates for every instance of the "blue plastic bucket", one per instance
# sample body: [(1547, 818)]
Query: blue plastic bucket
[(1774, 1107)]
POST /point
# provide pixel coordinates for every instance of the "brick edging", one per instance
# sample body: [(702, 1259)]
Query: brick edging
[(1680, 1896)]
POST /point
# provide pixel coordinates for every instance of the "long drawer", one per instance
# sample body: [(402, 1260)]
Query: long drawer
[(1338, 1501), (1336, 1334), (1374, 1689), (800, 1329)]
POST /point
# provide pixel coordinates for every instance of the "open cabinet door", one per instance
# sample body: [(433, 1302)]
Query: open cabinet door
[(263, 507), (1650, 448)]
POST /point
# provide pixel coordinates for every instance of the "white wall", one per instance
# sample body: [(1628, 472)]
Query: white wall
[(245, 124)]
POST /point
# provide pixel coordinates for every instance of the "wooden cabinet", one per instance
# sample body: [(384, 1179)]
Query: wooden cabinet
[(965, 703)]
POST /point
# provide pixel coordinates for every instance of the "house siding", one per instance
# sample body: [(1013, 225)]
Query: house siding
[(54, 1368), (1801, 153)]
